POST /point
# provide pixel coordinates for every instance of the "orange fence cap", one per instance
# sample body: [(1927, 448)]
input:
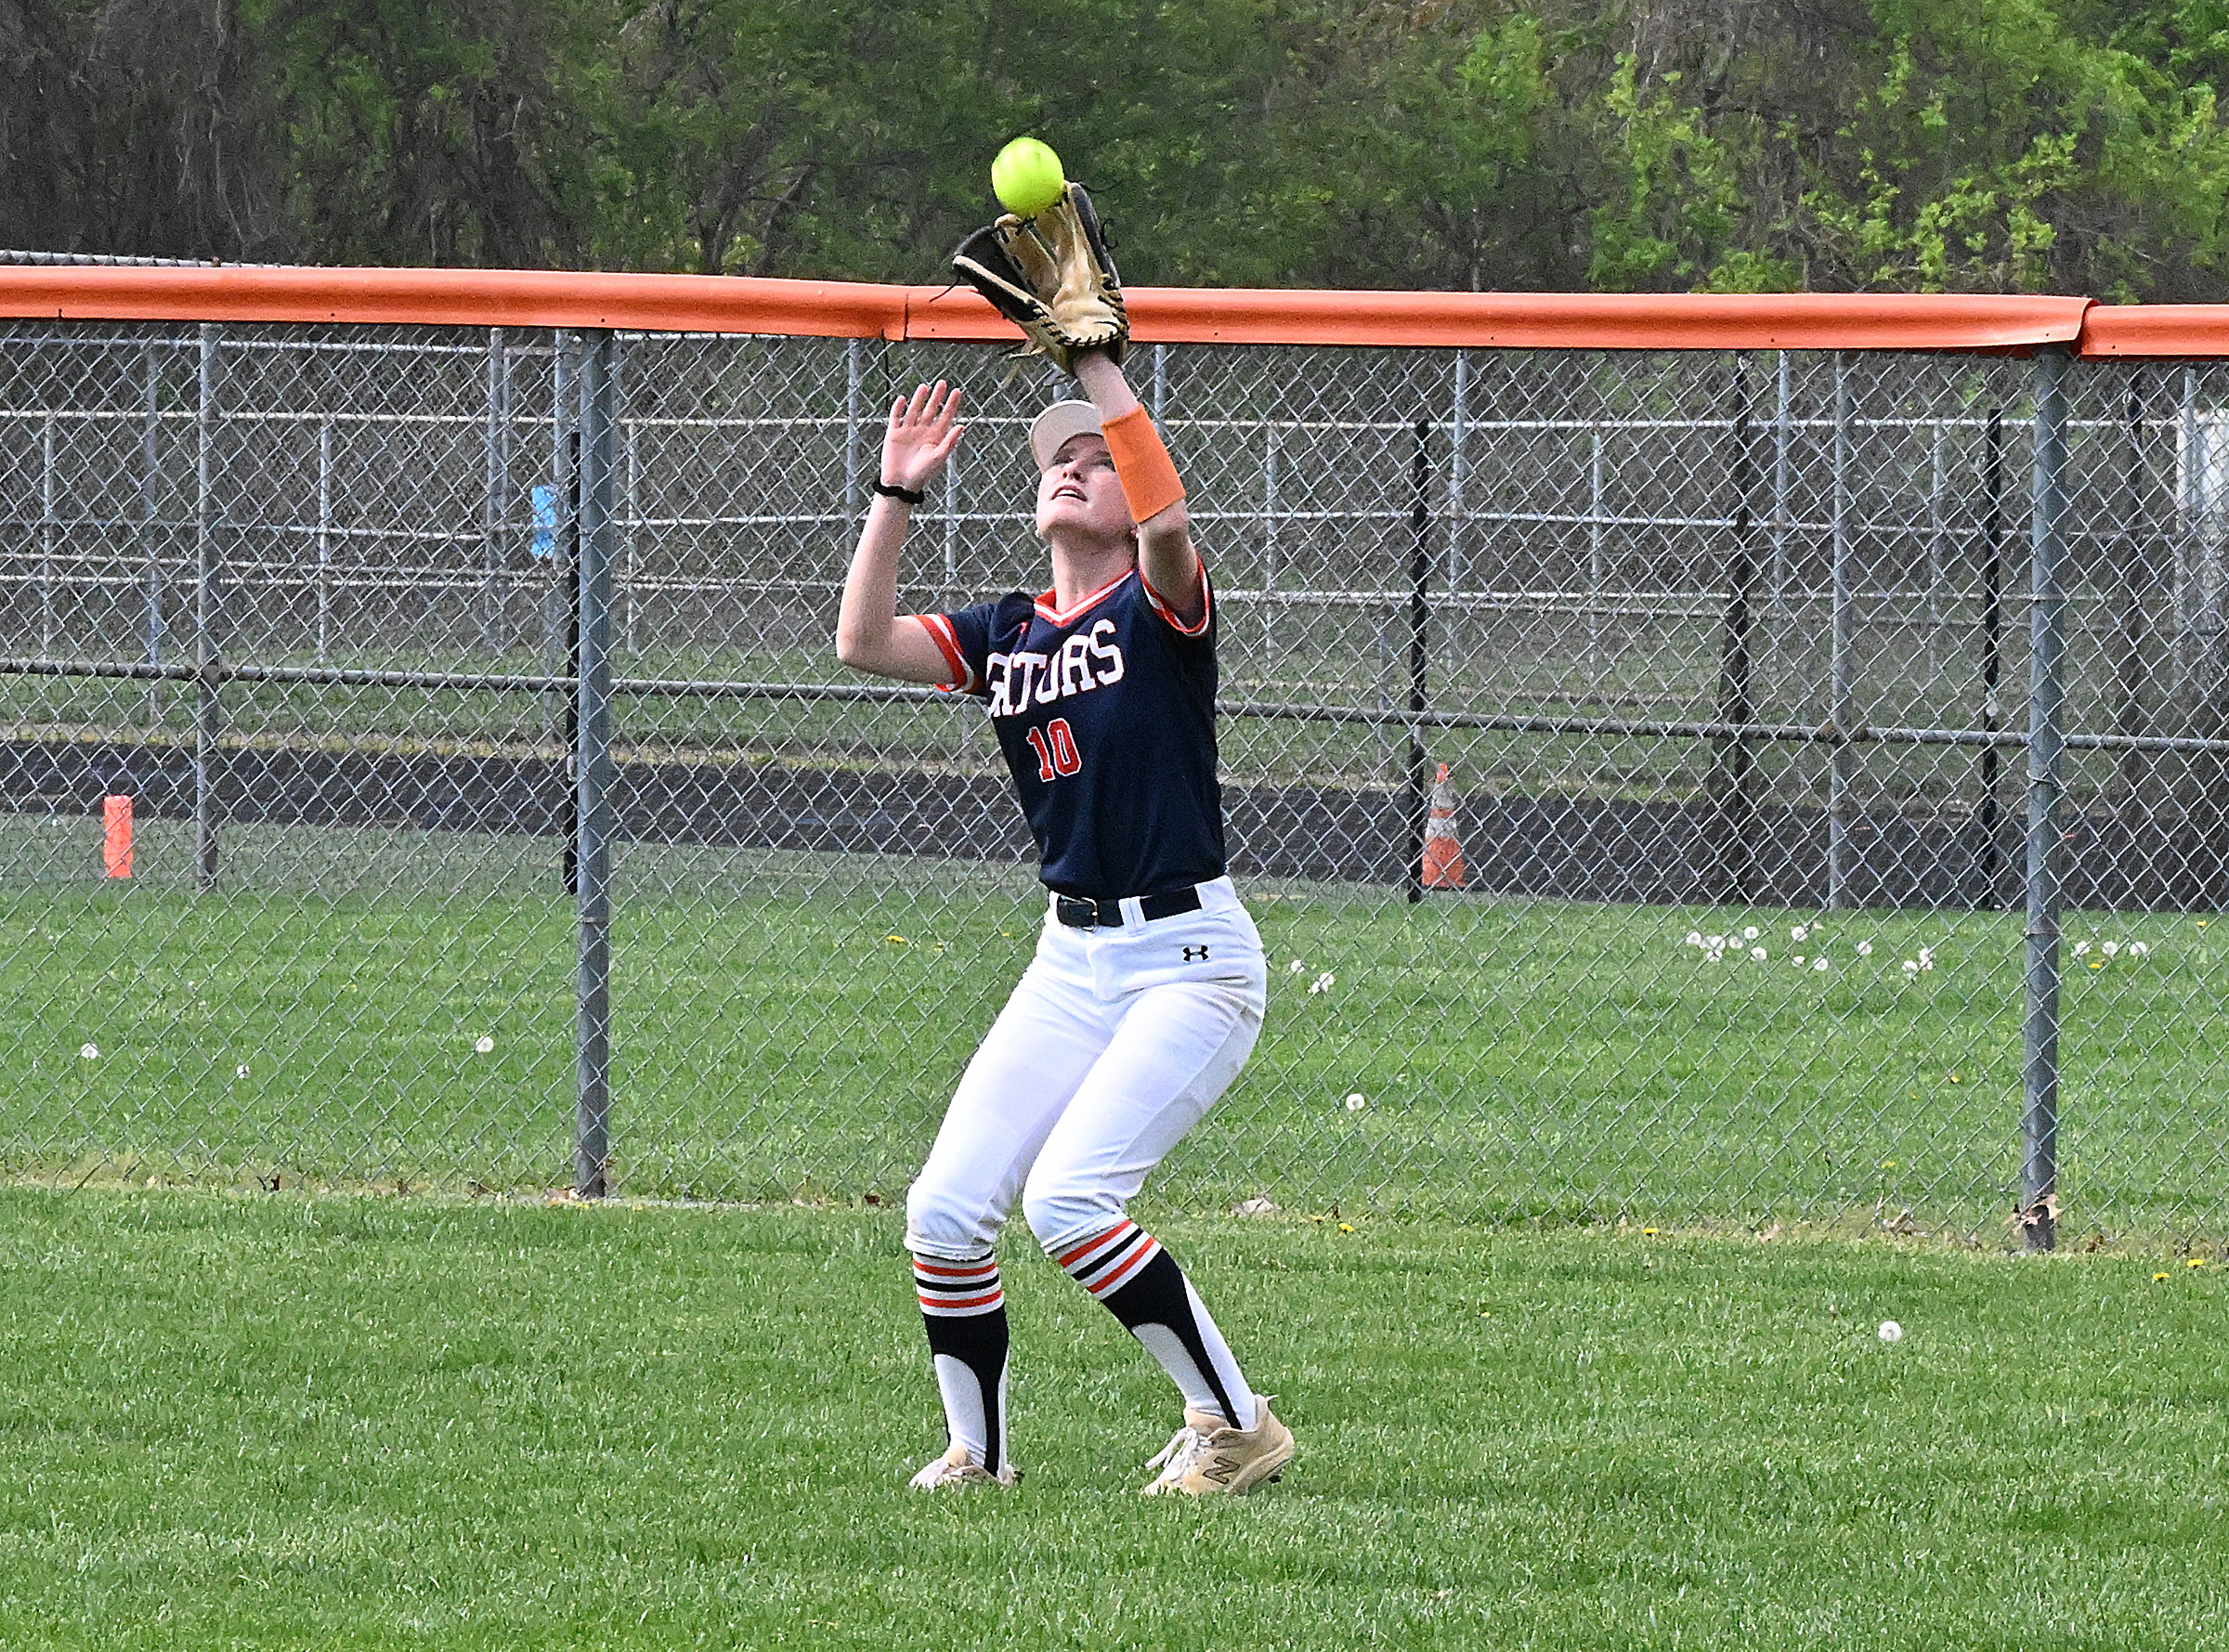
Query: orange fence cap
[(1159, 315), (455, 298), (1551, 320), (1609, 321), (2157, 332)]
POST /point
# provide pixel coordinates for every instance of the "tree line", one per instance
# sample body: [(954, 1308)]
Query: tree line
[(1664, 145)]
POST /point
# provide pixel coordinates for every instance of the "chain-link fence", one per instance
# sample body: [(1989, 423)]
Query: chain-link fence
[(418, 653)]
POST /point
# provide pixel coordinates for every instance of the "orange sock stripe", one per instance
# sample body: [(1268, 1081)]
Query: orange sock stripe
[(1149, 477), (1146, 1252), (1069, 1258)]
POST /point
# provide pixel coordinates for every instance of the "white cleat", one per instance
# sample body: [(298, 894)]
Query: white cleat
[(1209, 1458), (959, 1467)]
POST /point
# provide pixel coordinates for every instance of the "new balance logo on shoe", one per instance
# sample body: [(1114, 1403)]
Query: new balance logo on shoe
[(1209, 1458)]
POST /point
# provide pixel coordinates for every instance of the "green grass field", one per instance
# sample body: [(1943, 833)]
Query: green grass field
[(252, 1420), (790, 1024)]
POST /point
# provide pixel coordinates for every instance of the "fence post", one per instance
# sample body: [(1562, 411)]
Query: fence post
[(1784, 436), (1842, 706), (324, 538), (151, 541), (1938, 568), (1420, 552), (952, 506), (2046, 698), (1459, 427), (2199, 799), (49, 523), (626, 594), (1733, 757), (208, 568), (1269, 501), (1992, 647), (562, 606), (2132, 673), (592, 1042), (496, 511), (1598, 572), (854, 352)]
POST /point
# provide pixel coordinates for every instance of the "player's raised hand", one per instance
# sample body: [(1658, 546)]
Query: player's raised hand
[(923, 430)]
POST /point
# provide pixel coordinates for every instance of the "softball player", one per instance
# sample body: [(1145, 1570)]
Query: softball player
[(1146, 992)]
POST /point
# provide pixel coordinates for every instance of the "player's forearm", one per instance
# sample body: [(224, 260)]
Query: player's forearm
[(868, 616), (1165, 554), (1148, 475), (1102, 381)]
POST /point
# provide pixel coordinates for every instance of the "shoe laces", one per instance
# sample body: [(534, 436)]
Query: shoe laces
[(1181, 1454), (942, 1471)]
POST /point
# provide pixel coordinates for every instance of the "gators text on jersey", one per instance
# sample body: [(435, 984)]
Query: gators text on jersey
[(1106, 715)]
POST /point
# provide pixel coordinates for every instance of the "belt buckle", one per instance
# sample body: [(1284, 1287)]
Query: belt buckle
[(1078, 911)]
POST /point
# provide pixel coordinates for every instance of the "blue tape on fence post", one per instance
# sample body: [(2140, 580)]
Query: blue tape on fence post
[(544, 500)]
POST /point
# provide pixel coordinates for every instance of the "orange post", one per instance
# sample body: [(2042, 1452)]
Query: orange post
[(116, 836), (1442, 865)]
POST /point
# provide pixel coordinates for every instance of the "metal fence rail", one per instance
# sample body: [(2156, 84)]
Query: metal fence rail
[(1838, 737)]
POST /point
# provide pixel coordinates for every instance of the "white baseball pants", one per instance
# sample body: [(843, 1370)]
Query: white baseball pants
[(1114, 1043)]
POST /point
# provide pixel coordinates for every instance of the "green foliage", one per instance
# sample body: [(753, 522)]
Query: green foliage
[(2015, 146), (1680, 193), (2067, 145), (428, 131)]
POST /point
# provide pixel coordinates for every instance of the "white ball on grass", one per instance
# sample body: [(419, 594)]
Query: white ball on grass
[(1891, 1331)]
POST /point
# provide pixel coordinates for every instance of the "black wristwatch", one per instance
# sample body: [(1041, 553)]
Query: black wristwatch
[(889, 491)]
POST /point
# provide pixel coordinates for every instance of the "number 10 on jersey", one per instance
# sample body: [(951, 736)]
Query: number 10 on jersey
[(1055, 747)]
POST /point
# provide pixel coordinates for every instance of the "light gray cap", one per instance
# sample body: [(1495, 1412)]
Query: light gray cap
[(1058, 424)]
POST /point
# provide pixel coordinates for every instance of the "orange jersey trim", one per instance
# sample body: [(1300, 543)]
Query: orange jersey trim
[(947, 643), (1084, 606), (1162, 607)]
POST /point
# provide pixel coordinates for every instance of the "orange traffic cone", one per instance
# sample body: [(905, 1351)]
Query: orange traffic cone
[(1442, 865), (116, 836)]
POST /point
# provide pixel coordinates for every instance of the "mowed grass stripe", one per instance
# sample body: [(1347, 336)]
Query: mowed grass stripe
[(230, 1421)]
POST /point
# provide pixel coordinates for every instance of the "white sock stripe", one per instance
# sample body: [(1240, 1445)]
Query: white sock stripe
[(1082, 1257), (1104, 1263), (937, 1268), (958, 1290), (938, 1292), (962, 1394), (1118, 1274), (1219, 1356)]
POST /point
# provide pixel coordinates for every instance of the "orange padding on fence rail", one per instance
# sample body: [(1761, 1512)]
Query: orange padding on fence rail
[(2156, 331), (1159, 315)]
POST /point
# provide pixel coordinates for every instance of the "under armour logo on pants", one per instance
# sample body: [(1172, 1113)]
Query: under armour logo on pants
[(1195, 954)]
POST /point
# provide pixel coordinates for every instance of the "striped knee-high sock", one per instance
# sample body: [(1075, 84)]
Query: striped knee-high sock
[(1125, 1269), (963, 1307)]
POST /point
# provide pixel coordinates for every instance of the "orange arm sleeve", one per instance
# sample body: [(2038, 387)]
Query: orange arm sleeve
[(1149, 477)]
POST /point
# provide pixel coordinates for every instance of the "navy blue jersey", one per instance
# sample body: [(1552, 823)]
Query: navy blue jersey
[(1106, 715)]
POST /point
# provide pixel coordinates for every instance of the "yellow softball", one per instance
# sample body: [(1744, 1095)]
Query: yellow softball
[(1026, 177)]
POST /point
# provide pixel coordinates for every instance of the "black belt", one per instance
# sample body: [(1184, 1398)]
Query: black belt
[(1081, 912)]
